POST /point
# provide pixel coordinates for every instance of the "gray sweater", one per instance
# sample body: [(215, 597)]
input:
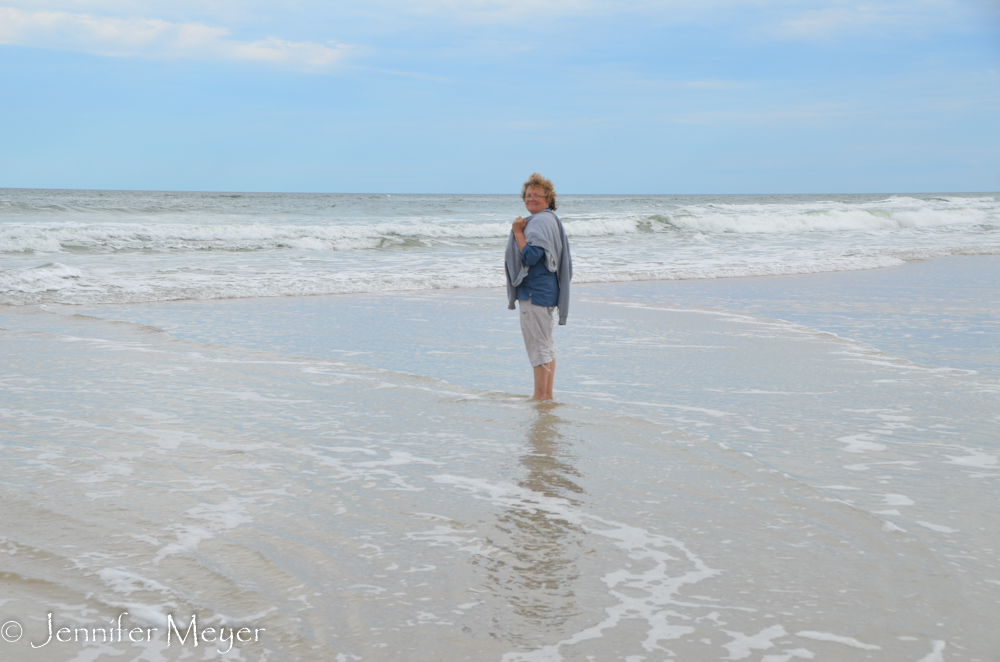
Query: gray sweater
[(544, 230)]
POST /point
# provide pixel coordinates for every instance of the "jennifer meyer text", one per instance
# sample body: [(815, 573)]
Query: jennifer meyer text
[(121, 631)]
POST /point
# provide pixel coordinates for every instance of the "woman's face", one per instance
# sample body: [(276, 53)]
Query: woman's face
[(534, 199)]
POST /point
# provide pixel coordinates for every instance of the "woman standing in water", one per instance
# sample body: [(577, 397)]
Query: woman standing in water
[(539, 269)]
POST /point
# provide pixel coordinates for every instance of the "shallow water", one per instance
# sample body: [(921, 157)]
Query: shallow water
[(713, 485)]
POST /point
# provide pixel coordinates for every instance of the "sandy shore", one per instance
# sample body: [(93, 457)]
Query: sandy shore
[(802, 467)]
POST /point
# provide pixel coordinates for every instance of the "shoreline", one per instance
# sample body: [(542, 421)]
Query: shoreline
[(379, 457)]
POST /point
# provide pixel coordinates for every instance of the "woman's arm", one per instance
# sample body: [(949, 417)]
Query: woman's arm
[(532, 255)]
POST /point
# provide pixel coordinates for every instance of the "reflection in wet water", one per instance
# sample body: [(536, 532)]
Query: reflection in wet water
[(535, 573), (548, 472)]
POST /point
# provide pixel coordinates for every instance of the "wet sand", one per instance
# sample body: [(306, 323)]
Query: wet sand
[(776, 468)]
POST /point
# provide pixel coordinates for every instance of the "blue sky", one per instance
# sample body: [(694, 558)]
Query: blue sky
[(442, 96)]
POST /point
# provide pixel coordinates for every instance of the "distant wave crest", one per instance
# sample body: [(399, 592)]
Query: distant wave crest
[(708, 219)]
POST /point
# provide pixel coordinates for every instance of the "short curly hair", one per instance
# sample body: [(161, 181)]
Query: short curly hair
[(545, 185)]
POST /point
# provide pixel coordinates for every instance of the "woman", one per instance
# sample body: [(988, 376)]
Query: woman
[(539, 269)]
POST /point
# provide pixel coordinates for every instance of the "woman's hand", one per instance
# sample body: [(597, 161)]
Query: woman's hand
[(518, 228)]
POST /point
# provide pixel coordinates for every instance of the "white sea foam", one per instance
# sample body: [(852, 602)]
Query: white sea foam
[(940, 528), (976, 458), (49, 277), (126, 583), (819, 218), (897, 500), (861, 443), (847, 641), (742, 646), (937, 648)]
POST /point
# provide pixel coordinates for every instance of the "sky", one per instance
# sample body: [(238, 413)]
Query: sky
[(471, 96)]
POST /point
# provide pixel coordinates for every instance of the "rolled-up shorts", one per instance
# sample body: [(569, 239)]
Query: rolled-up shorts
[(536, 327)]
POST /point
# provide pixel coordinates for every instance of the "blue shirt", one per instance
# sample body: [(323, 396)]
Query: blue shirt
[(540, 285)]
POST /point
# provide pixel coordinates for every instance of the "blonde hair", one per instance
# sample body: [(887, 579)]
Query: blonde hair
[(544, 184)]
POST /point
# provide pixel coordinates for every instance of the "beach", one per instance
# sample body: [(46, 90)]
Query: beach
[(771, 445)]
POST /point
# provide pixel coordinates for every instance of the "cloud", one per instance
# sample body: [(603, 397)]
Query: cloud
[(825, 22), (519, 13), (802, 114), (715, 84), (155, 38), (503, 10), (911, 17)]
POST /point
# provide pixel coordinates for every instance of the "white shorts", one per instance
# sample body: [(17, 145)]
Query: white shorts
[(536, 327)]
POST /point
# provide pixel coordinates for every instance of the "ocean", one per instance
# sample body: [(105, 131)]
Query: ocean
[(131, 247), (256, 426)]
